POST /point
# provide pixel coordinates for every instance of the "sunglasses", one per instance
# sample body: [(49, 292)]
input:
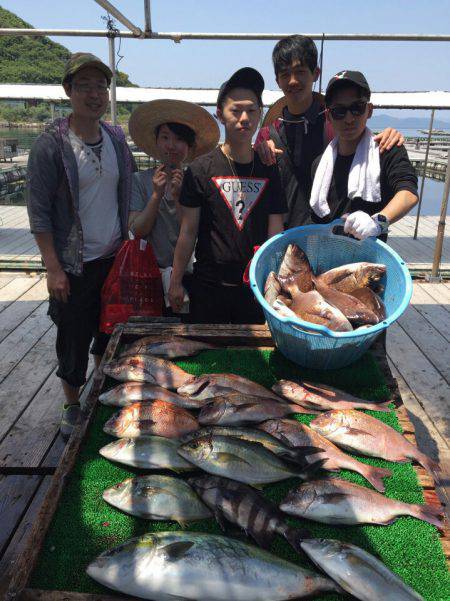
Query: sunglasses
[(356, 108)]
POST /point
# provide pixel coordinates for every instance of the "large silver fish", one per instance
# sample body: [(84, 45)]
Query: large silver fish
[(127, 393), (293, 433), (247, 508), (212, 385), (151, 453), (247, 462), (145, 368), (171, 566), (169, 349), (357, 572), (323, 398), (156, 497), (336, 501), (300, 455), (362, 433), (224, 411)]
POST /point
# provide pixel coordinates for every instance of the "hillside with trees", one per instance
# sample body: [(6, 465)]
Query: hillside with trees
[(32, 60), (25, 59)]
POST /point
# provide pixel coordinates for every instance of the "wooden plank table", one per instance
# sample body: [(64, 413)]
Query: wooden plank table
[(41, 494)]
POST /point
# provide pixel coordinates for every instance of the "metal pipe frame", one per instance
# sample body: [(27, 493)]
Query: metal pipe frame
[(96, 33), (321, 64), (112, 66), (380, 37), (419, 206), (148, 17), (441, 225), (179, 36), (137, 31)]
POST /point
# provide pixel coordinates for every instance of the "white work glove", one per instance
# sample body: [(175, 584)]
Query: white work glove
[(361, 225)]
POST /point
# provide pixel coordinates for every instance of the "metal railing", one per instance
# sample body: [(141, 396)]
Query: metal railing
[(179, 36)]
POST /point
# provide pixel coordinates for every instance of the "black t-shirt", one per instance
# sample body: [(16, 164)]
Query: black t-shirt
[(235, 209), (396, 173), (302, 138), (305, 139)]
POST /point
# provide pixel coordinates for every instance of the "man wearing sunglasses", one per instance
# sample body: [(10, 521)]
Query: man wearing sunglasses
[(78, 188), (294, 131), (352, 179)]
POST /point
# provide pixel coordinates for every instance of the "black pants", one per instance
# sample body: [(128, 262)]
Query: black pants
[(222, 304), (77, 322)]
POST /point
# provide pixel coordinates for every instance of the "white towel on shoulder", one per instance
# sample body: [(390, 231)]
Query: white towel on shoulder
[(363, 180)]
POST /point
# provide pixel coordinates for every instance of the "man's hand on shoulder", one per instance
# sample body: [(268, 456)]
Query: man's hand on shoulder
[(267, 152), (58, 285), (389, 138)]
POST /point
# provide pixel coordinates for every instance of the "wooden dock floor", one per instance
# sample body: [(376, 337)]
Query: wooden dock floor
[(30, 396), (30, 408), (17, 244), (418, 350)]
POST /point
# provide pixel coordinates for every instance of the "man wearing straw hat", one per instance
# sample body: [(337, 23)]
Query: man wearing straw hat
[(232, 202), (174, 132), (78, 190), (295, 131)]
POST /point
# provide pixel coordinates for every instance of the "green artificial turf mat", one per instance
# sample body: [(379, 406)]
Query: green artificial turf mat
[(84, 525)]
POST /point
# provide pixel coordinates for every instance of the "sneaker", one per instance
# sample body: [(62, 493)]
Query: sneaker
[(69, 419)]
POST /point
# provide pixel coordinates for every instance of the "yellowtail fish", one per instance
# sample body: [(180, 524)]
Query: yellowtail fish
[(203, 567)]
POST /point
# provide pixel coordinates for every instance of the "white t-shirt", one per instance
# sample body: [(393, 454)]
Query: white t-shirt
[(98, 204)]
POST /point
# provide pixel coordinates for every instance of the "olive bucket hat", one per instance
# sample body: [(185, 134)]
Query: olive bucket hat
[(82, 60)]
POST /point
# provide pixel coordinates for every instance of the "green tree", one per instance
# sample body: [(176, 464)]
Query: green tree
[(29, 59), (40, 113), (12, 114)]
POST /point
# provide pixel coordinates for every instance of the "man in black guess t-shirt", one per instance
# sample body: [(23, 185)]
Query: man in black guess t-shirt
[(231, 203), (352, 178)]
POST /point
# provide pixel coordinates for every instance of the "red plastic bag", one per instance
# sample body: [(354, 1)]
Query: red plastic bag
[(133, 286)]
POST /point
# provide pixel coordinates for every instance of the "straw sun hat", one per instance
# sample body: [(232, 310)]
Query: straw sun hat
[(146, 118), (276, 109)]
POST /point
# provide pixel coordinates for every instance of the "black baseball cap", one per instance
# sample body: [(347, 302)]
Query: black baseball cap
[(354, 77), (248, 78)]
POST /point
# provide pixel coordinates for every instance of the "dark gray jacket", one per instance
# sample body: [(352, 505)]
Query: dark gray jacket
[(53, 190)]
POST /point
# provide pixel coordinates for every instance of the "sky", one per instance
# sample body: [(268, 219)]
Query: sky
[(388, 66)]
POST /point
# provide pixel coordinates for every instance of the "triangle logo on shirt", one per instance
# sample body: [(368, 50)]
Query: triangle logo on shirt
[(241, 195)]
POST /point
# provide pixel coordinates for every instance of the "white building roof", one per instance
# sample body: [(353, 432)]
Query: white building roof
[(208, 97)]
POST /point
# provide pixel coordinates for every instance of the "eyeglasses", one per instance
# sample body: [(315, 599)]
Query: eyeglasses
[(85, 88), (356, 108)]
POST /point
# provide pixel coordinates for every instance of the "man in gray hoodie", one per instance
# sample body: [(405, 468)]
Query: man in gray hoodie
[(78, 190)]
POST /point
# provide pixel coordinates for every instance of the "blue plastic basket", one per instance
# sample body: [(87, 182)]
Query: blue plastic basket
[(313, 345)]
